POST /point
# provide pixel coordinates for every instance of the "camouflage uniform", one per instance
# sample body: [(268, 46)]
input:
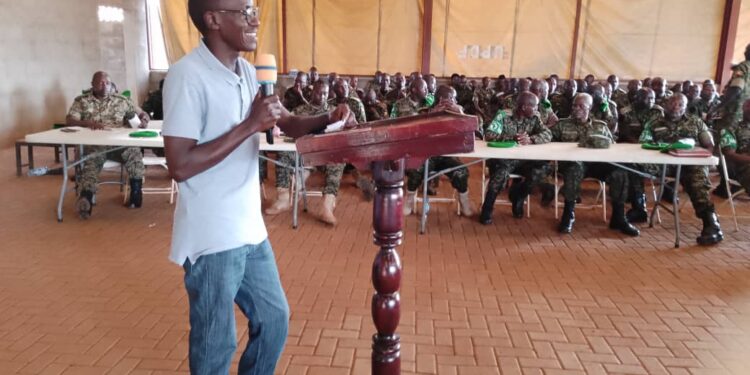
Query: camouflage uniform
[(608, 115), (737, 138), (562, 105), (153, 105), (464, 96), (620, 97), (632, 123), (592, 131), (292, 99), (704, 110), (355, 106), (509, 102), (373, 86), (393, 96), (663, 100), (483, 98), (112, 112), (731, 112), (407, 107), (377, 111), (545, 112), (694, 178), (333, 171), (459, 178), (505, 127)]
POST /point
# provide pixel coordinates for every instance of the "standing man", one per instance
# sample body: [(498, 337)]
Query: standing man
[(214, 118)]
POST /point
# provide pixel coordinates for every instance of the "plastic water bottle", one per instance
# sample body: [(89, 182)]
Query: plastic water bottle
[(41, 171)]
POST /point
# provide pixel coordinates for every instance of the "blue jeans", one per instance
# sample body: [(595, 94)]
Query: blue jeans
[(248, 277)]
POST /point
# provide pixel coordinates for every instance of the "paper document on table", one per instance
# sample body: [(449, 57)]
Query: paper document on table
[(336, 126)]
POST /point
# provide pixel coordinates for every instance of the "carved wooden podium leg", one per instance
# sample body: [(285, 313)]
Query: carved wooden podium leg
[(387, 223)]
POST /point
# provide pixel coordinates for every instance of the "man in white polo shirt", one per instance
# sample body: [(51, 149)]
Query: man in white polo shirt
[(213, 121)]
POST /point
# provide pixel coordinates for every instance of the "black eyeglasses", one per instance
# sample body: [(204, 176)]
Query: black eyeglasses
[(249, 12)]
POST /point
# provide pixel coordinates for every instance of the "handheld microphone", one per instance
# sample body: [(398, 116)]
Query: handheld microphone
[(265, 66)]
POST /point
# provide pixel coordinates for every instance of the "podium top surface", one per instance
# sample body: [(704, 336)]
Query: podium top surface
[(414, 138)]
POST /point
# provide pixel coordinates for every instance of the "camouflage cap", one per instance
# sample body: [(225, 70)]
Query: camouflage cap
[(595, 141)]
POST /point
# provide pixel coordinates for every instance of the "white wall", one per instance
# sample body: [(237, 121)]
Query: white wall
[(50, 49)]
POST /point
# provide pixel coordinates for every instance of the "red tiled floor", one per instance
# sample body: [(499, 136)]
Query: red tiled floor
[(100, 296)]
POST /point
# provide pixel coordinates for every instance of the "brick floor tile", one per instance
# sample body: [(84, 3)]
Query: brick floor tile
[(511, 298)]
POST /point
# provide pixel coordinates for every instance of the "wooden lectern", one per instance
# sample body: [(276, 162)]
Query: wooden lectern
[(387, 148)]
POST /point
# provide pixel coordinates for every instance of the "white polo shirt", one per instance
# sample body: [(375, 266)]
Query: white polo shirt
[(219, 208)]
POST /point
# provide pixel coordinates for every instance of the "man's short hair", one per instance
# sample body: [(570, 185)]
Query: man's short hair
[(196, 9)]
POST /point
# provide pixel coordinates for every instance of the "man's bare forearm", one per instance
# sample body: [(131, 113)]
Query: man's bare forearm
[(296, 126), (732, 156), (186, 158)]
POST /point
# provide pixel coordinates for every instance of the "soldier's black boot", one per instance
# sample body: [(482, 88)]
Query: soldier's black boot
[(485, 217), (518, 194), (637, 212), (711, 233), (136, 193), (568, 217), (668, 192), (548, 194), (84, 204), (618, 221)]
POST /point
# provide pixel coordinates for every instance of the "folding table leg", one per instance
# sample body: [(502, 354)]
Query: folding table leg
[(675, 207)]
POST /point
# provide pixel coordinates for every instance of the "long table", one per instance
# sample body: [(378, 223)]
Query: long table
[(618, 154), (119, 138)]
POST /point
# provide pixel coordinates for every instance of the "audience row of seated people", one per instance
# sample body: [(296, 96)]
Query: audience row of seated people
[(536, 111), (529, 111)]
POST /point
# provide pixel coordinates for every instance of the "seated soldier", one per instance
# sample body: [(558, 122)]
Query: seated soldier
[(552, 82), (314, 76), (525, 127), (414, 103), (707, 105), (398, 91), (341, 96), (735, 144), (619, 96), (409, 106), (464, 94), (294, 96), (677, 125), (375, 83), (563, 102), (693, 95), (481, 100), (102, 109), (602, 108), (318, 105), (659, 85), (583, 86), (385, 86), (540, 88), (375, 110), (634, 118), (431, 87), (153, 104), (590, 80), (509, 101), (581, 127), (686, 86), (625, 100)]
